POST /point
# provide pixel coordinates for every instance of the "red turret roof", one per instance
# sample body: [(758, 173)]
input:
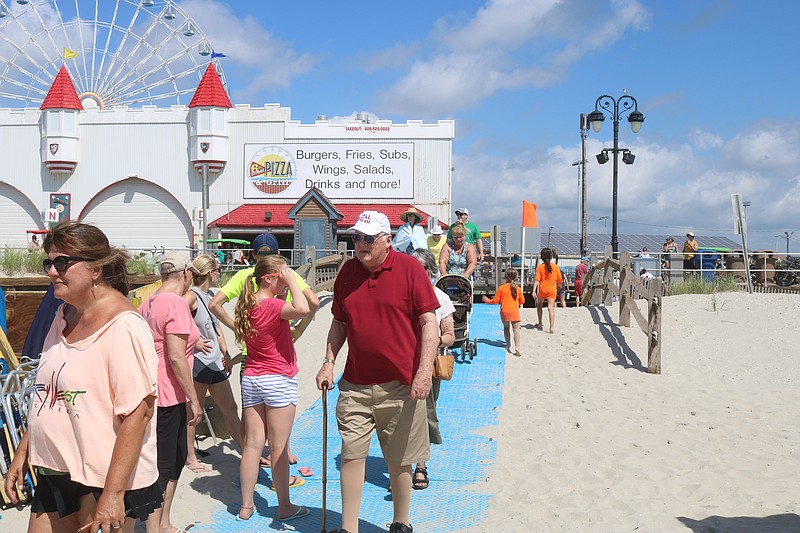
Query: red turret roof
[(62, 94), (210, 92)]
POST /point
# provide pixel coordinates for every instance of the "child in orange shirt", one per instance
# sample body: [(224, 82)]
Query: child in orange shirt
[(548, 281), (510, 297)]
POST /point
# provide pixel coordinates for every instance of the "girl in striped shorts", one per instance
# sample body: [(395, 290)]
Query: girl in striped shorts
[(269, 383)]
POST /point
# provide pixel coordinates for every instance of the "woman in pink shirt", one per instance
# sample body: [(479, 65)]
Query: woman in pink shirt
[(91, 434), (175, 335), (269, 383)]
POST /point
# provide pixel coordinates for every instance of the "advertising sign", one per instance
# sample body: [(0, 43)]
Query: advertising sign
[(340, 171)]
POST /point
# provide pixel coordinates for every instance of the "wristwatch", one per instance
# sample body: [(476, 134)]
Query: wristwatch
[(329, 360)]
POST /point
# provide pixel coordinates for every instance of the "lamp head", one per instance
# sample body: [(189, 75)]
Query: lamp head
[(628, 158), (635, 118), (596, 119), (602, 158)]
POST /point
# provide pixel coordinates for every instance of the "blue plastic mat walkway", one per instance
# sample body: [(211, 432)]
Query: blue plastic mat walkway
[(467, 403)]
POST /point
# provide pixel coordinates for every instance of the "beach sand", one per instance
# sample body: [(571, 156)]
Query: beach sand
[(588, 441)]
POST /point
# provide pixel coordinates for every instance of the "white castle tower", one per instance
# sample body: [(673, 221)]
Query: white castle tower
[(208, 123), (60, 110)]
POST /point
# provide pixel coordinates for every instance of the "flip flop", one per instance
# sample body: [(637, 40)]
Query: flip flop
[(300, 513), (305, 471), (292, 484), (240, 519), (266, 462)]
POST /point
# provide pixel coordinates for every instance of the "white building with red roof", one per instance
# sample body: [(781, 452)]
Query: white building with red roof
[(140, 173)]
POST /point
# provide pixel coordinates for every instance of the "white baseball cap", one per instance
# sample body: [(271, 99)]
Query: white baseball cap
[(372, 223), (462, 210)]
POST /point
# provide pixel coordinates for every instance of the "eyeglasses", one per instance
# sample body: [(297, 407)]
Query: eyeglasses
[(368, 239), (62, 263)]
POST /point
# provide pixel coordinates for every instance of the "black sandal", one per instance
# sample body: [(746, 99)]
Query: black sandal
[(420, 484)]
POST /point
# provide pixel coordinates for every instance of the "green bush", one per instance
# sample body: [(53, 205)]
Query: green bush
[(142, 264), (12, 261), (32, 261), (698, 285)]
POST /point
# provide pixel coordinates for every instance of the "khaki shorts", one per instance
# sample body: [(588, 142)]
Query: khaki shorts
[(401, 423)]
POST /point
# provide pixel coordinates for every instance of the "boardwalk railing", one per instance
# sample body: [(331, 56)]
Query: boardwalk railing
[(613, 280), (321, 273)]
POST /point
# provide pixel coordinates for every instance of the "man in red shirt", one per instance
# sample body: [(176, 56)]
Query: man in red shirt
[(383, 306)]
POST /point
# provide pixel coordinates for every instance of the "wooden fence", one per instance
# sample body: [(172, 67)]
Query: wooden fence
[(601, 286), (321, 273)]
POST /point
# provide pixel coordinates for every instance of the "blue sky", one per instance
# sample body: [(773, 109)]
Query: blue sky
[(717, 81)]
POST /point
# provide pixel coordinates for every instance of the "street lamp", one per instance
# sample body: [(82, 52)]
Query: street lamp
[(616, 108)]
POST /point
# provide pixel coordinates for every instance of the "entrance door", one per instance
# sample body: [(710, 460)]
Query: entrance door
[(313, 232)]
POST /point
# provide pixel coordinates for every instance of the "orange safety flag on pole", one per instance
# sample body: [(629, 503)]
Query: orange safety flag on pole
[(529, 215)]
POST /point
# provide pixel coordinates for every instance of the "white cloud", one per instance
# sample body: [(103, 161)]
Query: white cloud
[(667, 189), (508, 44), (703, 139), (251, 48)]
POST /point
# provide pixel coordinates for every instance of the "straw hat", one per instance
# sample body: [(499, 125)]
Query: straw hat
[(411, 211)]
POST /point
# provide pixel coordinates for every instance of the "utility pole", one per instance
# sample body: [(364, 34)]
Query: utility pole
[(584, 245), (788, 236)]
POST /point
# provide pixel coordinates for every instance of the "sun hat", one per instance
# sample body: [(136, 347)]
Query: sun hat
[(175, 261), (411, 211), (372, 223), (436, 230), (265, 244), (463, 210)]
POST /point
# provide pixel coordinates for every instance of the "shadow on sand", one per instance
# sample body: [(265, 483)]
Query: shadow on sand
[(611, 332), (779, 523)]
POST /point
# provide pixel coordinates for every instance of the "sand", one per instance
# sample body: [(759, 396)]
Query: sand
[(588, 441)]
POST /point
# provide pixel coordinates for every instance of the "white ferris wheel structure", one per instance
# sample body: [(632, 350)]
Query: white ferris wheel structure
[(117, 52)]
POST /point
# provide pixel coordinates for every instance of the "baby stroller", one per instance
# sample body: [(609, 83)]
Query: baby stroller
[(459, 289)]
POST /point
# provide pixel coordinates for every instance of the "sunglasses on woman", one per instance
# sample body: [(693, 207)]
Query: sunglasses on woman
[(62, 262), (369, 239)]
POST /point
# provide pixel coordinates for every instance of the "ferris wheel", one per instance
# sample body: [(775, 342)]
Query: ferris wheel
[(118, 52)]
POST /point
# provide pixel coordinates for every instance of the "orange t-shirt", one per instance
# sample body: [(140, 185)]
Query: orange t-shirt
[(548, 281), (509, 306)]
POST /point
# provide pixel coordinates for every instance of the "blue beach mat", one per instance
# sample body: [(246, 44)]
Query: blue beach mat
[(456, 498)]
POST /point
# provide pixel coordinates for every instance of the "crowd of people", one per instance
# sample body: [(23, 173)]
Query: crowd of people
[(119, 390)]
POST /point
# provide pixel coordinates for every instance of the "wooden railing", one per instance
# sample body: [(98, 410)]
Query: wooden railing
[(321, 273), (601, 286)]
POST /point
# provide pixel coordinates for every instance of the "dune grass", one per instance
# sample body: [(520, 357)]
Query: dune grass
[(698, 285)]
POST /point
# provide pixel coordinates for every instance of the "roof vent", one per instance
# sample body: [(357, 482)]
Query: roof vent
[(320, 118), (362, 117)]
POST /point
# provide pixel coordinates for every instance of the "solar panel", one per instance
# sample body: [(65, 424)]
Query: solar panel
[(569, 243)]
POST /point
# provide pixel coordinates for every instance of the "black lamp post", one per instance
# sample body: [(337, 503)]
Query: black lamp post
[(616, 108)]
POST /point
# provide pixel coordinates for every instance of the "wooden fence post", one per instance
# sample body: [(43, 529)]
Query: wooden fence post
[(654, 299), (625, 298), (311, 256), (608, 276)]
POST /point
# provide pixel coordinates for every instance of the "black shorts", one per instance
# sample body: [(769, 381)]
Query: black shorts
[(58, 493), (171, 442), (202, 374)]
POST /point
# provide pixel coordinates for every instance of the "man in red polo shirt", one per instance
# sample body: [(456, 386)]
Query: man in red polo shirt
[(383, 306)]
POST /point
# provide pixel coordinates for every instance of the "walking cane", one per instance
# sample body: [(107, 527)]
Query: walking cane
[(324, 454)]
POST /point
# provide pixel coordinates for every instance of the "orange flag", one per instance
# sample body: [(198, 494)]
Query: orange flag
[(529, 215)]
